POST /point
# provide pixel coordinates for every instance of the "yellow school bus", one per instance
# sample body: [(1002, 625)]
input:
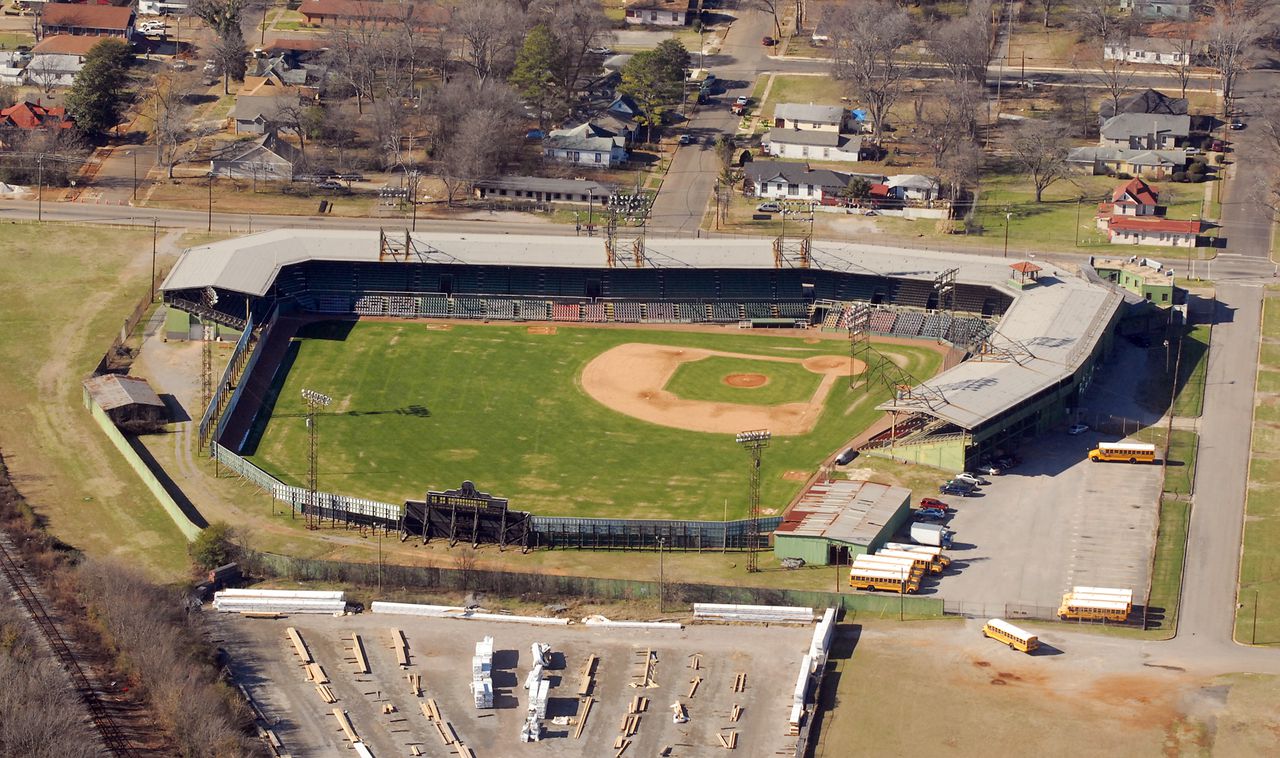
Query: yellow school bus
[(915, 567), (934, 552), (1018, 639), (1130, 452), (882, 579), (1099, 605), (923, 560)]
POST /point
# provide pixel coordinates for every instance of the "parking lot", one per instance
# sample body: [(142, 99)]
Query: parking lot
[(440, 650), (1055, 521)]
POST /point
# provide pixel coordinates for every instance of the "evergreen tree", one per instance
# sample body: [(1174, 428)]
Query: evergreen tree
[(98, 93)]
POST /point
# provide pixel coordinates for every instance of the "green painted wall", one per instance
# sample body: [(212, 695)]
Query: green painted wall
[(946, 454), (816, 550)]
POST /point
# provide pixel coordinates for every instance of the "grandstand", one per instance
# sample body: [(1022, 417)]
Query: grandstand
[(1031, 350)]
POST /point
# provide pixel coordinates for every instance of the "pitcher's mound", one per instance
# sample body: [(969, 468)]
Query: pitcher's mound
[(746, 380)]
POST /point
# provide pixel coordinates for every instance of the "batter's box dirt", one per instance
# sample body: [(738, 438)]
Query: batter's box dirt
[(796, 476), (542, 330)]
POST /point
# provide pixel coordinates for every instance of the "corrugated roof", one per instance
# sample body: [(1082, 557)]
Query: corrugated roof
[(846, 511), (818, 114), (112, 391)]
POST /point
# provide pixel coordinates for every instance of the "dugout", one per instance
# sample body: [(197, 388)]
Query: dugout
[(838, 519)]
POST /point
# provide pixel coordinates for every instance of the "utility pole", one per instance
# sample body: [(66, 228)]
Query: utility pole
[(154, 231), (210, 228), (40, 187), (1078, 201), (662, 578), (753, 442), (210, 299), (315, 401), (1007, 216)]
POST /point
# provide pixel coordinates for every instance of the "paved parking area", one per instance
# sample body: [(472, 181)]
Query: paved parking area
[(441, 649), (1056, 521)]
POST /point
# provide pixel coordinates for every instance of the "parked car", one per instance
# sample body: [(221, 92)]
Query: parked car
[(1078, 429), (846, 457), (1236, 124), (930, 514), (741, 100), (1192, 150), (969, 478), (329, 184), (768, 41), (768, 208), (602, 50), (957, 488), (1218, 146), (988, 469), (152, 27), (933, 502), (687, 139)]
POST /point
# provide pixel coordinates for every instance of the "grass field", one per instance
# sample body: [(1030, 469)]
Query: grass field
[(416, 408), (1166, 572), (1260, 563), (1158, 386), (66, 289), (704, 380)]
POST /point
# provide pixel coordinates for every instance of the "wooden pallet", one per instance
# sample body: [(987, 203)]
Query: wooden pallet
[(740, 683)]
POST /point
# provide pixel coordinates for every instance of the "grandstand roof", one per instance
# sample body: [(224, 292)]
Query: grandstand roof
[(1049, 330)]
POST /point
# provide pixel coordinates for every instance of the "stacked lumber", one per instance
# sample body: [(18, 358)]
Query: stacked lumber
[(740, 683), (345, 723), (299, 647), (415, 684), (279, 601), (582, 720), (326, 694), (357, 649), (585, 680), (736, 713), (316, 674), (401, 646), (693, 686), (728, 741)]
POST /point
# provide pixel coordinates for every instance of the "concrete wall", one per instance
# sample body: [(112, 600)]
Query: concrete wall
[(945, 454)]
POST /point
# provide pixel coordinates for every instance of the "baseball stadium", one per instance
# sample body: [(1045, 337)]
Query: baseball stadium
[(583, 385)]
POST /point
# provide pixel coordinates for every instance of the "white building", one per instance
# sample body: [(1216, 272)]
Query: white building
[(812, 145), (585, 145), (802, 116), (914, 187), (779, 180), (660, 12), (1157, 50), (56, 60)]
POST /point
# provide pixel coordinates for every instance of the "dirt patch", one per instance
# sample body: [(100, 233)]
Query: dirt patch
[(746, 380), (542, 330), (811, 340), (833, 364), (629, 379), (796, 476), (437, 327)]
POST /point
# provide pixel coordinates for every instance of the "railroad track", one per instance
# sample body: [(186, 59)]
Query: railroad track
[(102, 721)]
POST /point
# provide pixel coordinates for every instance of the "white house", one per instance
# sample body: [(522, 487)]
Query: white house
[(267, 158), (915, 187), (778, 180), (1166, 52), (802, 116), (56, 60), (812, 144), (1145, 131), (585, 145), (1176, 10), (660, 12), (13, 67)]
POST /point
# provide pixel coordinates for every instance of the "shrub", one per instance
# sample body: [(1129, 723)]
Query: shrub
[(1123, 175), (1179, 176), (213, 547)]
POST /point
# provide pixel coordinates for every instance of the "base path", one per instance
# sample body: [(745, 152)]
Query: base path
[(630, 379)]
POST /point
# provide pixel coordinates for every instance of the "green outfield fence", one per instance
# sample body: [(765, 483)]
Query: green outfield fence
[(550, 586)]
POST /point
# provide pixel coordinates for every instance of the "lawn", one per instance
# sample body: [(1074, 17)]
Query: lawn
[(10, 40), (66, 290), (1180, 471), (706, 380), (1192, 367), (237, 196), (416, 408), (822, 90), (1166, 571), (1260, 563)]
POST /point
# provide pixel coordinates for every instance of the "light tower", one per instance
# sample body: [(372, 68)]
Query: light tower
[(209, 298), (753, 442), (315, 401)]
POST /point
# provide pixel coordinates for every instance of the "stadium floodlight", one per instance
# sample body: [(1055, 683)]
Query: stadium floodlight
[(316, 398), (757, 436)]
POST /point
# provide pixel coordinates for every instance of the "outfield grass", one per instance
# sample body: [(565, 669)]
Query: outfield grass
[(416, 408), (704, 380), (66, 289), (1260, 562)]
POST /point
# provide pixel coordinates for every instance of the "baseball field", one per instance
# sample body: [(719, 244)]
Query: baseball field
[(568, 420)]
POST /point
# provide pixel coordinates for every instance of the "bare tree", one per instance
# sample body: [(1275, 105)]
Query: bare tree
[(1229, 42), (578, 26), (477, 131), (952, 122), (865, 37), (169, 107), (960, 168), (771, 7), (489, 35), (964, 46), (1039, 148), (352, 60), (294, 116), (1097, 20), (1184, 51), (1047, 7), (1113, 76)]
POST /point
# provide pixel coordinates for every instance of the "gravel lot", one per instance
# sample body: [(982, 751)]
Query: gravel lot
[(440, 650)]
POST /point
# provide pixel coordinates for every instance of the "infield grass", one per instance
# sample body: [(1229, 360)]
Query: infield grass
[(416, 409), (705, 380)]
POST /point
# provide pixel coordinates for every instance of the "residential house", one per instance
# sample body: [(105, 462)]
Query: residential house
[(56, 60), (274, 86), (1154, 231), (86, 21), (812, 144), (801, 116), (1147, 101), (1133, 198), (297, 49), (543, 190), (1156, 164), (821, 35), (13, 67), (29, 116), (422, 16), (1173, 10), (1145, 131), (914, 188), (661, 12), (1168, 52), (266, 158), (780, 180), (585, 145), (280, 68), (259, 114)]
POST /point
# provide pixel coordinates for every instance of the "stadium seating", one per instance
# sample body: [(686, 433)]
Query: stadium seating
[(469, 307), (635, 283), (739, 285), (936, 325), (691, 311), (758, 310), (722, 312), (533, 310), (594, 312), (688, 283), (908, 324), (627, 311), (436, 306), (660, 312), (831, 319), (882, 321), (792, 309), (913, 292), (401, 306), (499, 308), (566, 312), (333, 304)]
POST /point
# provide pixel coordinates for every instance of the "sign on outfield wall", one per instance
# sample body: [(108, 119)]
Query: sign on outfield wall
[(466, 496)]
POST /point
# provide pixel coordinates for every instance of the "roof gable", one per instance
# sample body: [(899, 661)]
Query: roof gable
[(1135, 192)]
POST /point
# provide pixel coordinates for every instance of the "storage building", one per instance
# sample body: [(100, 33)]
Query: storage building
[(836, 520)]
